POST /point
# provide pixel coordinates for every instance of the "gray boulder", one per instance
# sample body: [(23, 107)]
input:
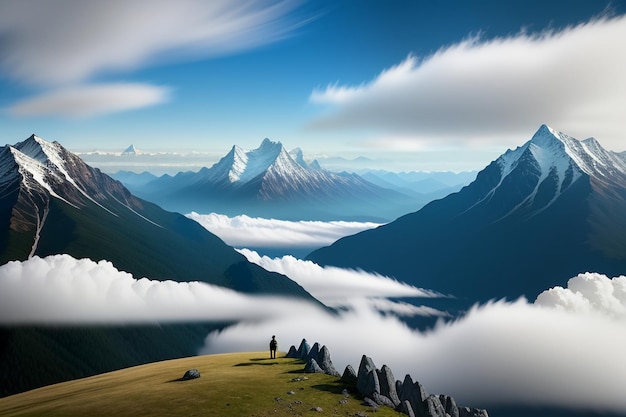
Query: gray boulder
[(314, 352), (190, 374), (326, 363), (472, 412), (383, 400), (406, 408), (293, 353), (388, 385), (413, 392), (449, 405), (312, 367), (349, 376), (432, 407), (367, 378), (303, 350)]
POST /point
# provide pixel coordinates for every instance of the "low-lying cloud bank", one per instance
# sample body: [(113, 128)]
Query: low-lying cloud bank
[(62, 290), (243, 231), (545, 353), (564, 350)]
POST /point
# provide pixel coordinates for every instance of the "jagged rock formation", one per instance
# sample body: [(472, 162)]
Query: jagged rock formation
[(317, 359), (312, 367), (349, 376), (407, 397), (379, 387)]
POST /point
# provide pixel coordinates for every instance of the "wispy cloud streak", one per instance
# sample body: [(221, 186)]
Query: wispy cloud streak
[(63, 46), (62, 290), (85, 39), (336, 286), (91, 100)]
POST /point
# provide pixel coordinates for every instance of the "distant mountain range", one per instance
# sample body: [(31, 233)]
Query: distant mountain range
[(532, 219), (434, 185), (271, 182), (51, 202)]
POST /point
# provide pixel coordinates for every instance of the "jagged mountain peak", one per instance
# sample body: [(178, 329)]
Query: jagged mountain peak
[(268, 145), (298, 156), (131, 150), (551, 150), (546, 166), (240, 166), (40, 149), (47, 169)]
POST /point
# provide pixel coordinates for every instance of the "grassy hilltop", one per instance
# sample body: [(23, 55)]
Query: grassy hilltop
[(233, 384)]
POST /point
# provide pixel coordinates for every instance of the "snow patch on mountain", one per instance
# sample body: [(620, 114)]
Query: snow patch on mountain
[(557, 155), (34, 172), (49, 162)]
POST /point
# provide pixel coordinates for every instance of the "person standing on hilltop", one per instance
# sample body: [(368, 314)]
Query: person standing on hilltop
[(273, 347)]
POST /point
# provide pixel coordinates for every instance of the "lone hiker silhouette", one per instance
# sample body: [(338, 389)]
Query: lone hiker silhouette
[(273, 346)]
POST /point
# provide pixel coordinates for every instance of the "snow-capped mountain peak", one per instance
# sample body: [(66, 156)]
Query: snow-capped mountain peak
[(552, 160), (240, 166), (555, 151), (44, 167), (131, 150)]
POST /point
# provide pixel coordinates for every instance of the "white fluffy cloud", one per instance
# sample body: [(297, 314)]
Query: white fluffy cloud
[(336, 286), (62, 290), (244, 231), (500, 353), (493, 92), (83, 38), (556, 352), (589, 293), (91, 100)]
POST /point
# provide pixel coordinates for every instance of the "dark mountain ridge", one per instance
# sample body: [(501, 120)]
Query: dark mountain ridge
[(532, 219)]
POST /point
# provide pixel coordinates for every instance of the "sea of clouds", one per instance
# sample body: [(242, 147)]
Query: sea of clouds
[(244, 231), (565, 349)]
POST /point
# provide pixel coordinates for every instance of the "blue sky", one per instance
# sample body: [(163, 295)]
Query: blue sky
[(414, 84)]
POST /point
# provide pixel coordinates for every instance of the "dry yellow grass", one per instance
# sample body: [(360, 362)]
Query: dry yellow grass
[(234, 384)]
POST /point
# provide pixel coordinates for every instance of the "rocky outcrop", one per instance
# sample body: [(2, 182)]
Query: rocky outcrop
[(388, 385), (406, 396), (301, 353), (312, 367), (367, 378), (379, 387), (349, 376), (293, 352), (317, 359), (323, 359)]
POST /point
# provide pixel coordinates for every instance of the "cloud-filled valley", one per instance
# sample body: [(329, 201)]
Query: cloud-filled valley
[(555, 351), (62, 290), (245, 231)]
